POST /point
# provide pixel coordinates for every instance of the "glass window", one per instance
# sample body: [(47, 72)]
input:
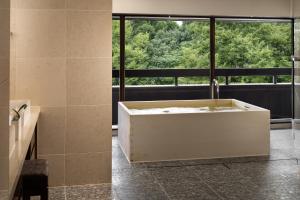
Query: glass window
[(253, 44), (115, 48), (166, 43)]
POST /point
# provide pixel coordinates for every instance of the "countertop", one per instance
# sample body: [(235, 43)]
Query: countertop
[(18, 154)]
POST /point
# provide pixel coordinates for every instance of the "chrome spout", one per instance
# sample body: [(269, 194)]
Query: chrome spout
[(295, 58), (214, 84)]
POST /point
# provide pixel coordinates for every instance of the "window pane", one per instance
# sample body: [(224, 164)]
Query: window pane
[(157, 43), (193, 81), (253, 44), (115, 48), (150, 81), (284, 79), (250, 79), (116, 43)]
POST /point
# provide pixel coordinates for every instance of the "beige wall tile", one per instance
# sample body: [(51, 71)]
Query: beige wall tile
[(41, 4), (56, 169), (89, 34), (13, 3), (12, 78), (12, 64), (13, 19), (41, 33), (4, 70), (4, 173), (42, 81), (4, 33), (87, 79), (87, 128), (4, 194), (108, 166), (4, 91), (12, 73), (94, 170), (51, 130), (4, 127), (4, 4), (90, 4)]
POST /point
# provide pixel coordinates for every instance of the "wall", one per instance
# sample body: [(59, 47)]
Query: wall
[(63, 64), (262, 8), (296, 8), (4, 94)]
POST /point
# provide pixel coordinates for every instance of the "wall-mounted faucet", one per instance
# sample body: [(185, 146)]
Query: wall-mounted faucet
[(295, 58), (214, 84)]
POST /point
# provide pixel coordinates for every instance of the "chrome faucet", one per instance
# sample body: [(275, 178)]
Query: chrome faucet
[(214, 84)]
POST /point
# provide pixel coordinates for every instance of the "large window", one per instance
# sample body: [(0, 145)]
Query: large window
[(184, 43)]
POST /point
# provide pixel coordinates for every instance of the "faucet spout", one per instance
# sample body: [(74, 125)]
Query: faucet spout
[(214, 84)]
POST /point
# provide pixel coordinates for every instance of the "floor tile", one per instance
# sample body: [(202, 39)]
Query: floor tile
[(202, 161), (268, 171), (55, 193), (238, 190), (115, 142), (136, 183), (182, 183), (282, 139), (217, 173), (279, 154), (91, 192), (163, 164), (289, 189), (119, 161)]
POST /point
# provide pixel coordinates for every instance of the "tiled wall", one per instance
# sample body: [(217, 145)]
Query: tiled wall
[(63, 64), (4, 93)]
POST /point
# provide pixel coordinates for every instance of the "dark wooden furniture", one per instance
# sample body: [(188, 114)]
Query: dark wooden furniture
[(34, 178)]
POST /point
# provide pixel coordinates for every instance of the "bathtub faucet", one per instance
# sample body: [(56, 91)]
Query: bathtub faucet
[(214, 84)]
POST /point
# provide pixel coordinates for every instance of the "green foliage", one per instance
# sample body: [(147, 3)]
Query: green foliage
[(116, 44), (152, 44)]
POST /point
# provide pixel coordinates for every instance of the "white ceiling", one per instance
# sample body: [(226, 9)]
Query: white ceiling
[(255, 8)]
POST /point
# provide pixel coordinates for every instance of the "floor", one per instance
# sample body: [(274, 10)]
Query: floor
[(277, 177)]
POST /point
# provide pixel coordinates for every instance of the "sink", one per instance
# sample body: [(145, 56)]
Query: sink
[(16, 127), (24, 113)]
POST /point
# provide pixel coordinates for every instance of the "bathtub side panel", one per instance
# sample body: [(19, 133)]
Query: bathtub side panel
[(124, 130), (200, 135)]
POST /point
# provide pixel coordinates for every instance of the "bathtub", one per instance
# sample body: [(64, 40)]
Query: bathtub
[(192, 129)]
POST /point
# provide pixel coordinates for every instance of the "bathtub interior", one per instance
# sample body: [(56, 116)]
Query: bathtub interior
[(208, 105)]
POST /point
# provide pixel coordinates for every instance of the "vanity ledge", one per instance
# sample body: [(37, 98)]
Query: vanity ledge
[(18, 155)]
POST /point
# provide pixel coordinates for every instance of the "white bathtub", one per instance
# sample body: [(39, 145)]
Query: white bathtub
[(192, 129)]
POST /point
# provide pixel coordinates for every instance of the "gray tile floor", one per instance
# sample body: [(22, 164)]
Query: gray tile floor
[(276, 177)]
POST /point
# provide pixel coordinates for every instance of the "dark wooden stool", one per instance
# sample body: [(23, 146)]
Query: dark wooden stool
[(35, 179)]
